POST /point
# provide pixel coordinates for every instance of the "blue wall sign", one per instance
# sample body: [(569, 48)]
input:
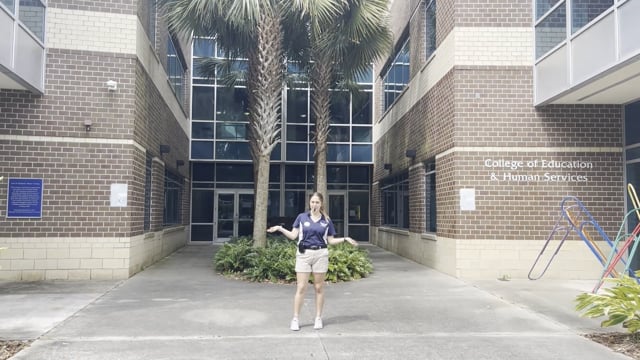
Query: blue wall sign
[(24, 198)]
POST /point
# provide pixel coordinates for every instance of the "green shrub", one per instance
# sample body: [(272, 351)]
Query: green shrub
[(620, 304), (276, 261)]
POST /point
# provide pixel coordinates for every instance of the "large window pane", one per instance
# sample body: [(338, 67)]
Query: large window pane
[(361, 134), (201, 232), (295, 173), (234, 173), (203, 171), (358, 207), (297, 133), (295, 202), (359, 175), (337, 174), (231, 131), (228, 150), (361, 153), (297, 152), (337, 152), (397, 75), (339, 107), (203, 47), (632, 123), (583, 11), (32, 16), (430, 44), (232, 104), (551, 31), (338, 134), (202, 149), (542, 6), (361, 108), (202, 130), (202, 107), (9, 4), (297, 106), (202, 206)]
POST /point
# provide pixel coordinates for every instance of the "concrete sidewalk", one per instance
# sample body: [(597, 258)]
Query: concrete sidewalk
[(181, 309)]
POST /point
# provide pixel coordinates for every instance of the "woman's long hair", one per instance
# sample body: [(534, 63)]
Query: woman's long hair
[(322, 210)]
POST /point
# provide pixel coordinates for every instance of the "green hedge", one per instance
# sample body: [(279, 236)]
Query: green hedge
[(276, 261)]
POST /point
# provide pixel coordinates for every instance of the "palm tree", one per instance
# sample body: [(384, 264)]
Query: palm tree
[(252, 28), (343, 45)]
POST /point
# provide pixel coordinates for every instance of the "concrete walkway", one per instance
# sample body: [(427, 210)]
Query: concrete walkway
[(181, 309)]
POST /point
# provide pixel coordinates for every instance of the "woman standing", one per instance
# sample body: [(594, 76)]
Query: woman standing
[(314, 231)]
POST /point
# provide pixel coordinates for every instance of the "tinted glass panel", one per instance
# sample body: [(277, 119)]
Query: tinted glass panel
[(337, 152), (361, 108), (297, 106), (297, 133), (231, 131), (202, 206), (542, 6), (583, 11), (32, 16), (430, 45), (201, 232), (232, 104), (202, 149), (202, 107), (358, 207), (359, 175), (295, 202), (336, 174), (361, 153), (203, 172), (361, 134), (235, 172), (297, 152), (202, 130), (203, 47), (551, 31), (227, 150), (295, 173), (339, 107), (632, 123), (276, 154), (339, 134), (9, 4)]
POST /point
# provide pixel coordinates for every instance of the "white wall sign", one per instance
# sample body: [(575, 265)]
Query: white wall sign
[(467, 199), (118, 195)]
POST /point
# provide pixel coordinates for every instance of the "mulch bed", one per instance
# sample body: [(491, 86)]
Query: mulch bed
[(8, 348), (624, 343)]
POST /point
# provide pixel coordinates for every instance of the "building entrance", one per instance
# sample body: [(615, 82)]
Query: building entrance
[(233, 214)]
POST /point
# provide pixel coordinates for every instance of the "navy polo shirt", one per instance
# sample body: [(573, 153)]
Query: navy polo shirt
[(313, 233)]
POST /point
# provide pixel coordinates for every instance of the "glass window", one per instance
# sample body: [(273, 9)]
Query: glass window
[(551, 31), (204, 71), (234, 173), (430, 30), (202, 206), (361, 105), (397, 75), (361, 153), (295, 202), (203, 171), (358, 208), (395, 202), (203, 47), (202, 149), (202, 103), (632, 123), (366, 77), (232, 150), (297, 106), (32, 16), (297, 133), (336, 152), (232, 104), (10, 4), (231, 131), (361, 134), (175, 69), (274, 174), (338, 134), (201, 130), (431, 199), (295, 173), (542, 6), (337, 174), (359, 175), (147, 192), (273, 204), (201, 232), (296, 152), (583, 11), (276, 154), (339, 107), (173, 186)]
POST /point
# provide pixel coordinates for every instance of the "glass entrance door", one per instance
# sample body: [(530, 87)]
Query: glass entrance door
[(234, 214)]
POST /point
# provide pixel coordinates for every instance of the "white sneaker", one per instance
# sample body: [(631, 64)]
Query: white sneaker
[(318, 324), (294, 324)]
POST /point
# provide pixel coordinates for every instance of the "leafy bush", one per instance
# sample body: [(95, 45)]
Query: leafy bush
[(276, 261), (620, 304)]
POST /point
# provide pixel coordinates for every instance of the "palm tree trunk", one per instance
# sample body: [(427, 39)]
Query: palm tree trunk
[(320, 106), (266, 72)]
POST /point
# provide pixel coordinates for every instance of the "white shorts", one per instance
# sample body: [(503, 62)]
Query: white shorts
[(313, 261)]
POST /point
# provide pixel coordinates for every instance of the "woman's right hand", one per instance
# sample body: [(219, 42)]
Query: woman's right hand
[(273, 229)]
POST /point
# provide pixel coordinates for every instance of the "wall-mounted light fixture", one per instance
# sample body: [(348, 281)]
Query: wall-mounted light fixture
[(87, 124), (387, 166), (179, 163), (164, 149), (411, 153), (112, 85)]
